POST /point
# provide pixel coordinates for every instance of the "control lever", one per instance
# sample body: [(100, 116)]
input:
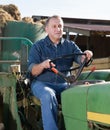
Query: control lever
[(92, 70), (69, 79)]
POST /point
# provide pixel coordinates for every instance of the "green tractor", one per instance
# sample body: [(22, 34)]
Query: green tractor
[(85, 106)]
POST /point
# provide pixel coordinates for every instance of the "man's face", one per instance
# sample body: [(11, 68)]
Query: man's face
[(55, 29)]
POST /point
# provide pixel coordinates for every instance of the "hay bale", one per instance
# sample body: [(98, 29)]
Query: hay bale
[(12, 10), (27, 19), (4, 17), (9, 13), (43, 21)]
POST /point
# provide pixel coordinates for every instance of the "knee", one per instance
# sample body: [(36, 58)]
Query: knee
[(49, 96)]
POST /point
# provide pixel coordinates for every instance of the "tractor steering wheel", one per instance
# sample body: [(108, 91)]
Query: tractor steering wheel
[(72, 78)]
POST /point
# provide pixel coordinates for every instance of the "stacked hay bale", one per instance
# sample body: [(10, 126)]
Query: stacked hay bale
[(8, 13), (28, 20), (10, 17), (11, 13), (4, 17), (12, 10)]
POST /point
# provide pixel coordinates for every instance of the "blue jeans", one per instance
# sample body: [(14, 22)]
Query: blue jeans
[(46, 92)]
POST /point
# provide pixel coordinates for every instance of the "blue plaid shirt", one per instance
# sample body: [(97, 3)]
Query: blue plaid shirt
[(45, 49)]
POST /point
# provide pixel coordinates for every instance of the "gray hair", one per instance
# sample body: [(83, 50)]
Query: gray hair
[(54, 16)]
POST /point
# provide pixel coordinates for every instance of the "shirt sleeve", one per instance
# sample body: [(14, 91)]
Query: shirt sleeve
[(34, 57), (30, 67)]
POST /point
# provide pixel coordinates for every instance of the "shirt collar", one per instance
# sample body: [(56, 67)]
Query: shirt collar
[(49, 42)]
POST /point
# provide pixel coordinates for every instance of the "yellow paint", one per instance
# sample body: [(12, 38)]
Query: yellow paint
[(104, 118)]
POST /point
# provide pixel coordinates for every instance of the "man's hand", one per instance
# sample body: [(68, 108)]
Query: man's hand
[(47, 64), (38, 68), (89, 55)]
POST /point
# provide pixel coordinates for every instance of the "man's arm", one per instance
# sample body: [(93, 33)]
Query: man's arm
[(37, 69)]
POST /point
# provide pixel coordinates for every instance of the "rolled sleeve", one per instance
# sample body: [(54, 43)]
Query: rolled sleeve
[(79, 59), (30, 67)]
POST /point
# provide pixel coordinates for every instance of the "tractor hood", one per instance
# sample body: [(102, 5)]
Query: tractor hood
[(87, 104)]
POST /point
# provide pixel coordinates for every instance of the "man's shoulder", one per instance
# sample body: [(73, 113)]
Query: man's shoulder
[(67, 41), (39, 42)]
